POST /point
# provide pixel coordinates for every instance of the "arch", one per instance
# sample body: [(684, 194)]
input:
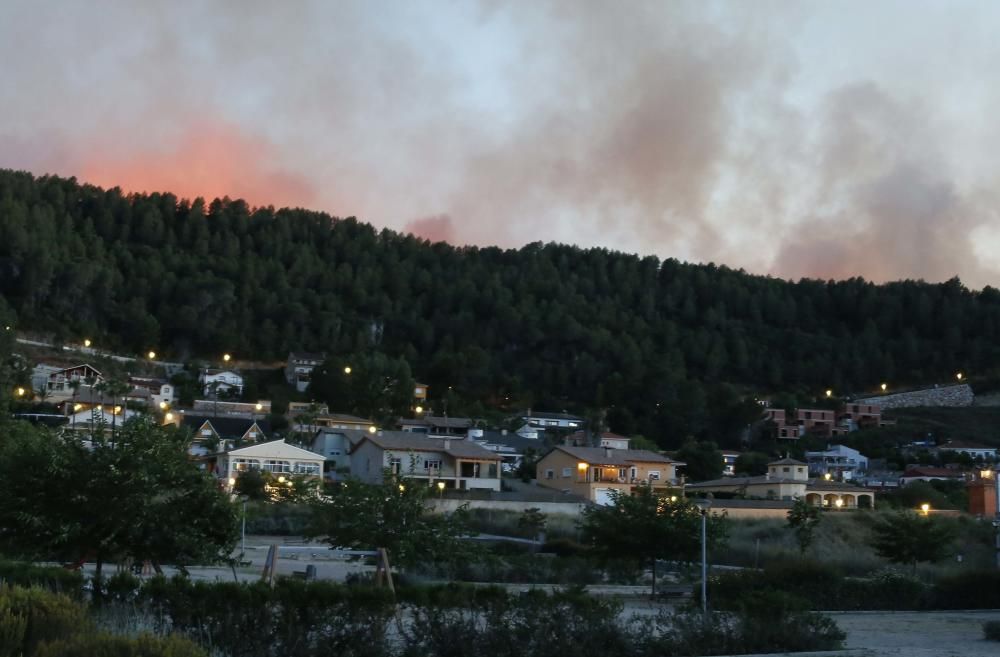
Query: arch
[(830, 500), (850, 501), (866, 501), (814, 499)]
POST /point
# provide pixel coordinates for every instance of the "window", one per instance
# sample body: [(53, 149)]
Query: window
[(654, 475), (786, 469), (432, 464), (277, 466), (395, 464), (252, 434), (549, 474), (206, 432), (334, 452), (307, 468), (799, 470), (567, 472), (242, 465)]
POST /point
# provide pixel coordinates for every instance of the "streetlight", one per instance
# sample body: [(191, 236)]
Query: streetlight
[(258, 407), (402, 488), (828, 476), (884, 386), (418, 410), (347, 369), (925, 508), (959, 376), (20, 391), (169, 417), (163, 405), (440, 485), (829, 393), (243, 534), (704, 505), (86, 343), (372, 429), (226, 357), (151, 354), (838, 503)]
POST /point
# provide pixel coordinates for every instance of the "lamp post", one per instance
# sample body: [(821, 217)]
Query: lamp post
[(243, 533), (703, 506)]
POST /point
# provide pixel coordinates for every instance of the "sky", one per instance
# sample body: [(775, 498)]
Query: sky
[(797, 139)]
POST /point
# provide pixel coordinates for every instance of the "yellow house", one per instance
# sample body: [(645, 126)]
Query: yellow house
[(788, 479), (594, 472)]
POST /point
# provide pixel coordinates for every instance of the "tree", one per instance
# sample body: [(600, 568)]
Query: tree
[(646, 527), (703, 461), (907, 538), (393, 515), (803, 519), (136, 497), (371, 385), (751, 464), (532, 522)]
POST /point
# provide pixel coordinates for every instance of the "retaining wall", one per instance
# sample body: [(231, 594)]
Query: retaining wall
[(956, 395)]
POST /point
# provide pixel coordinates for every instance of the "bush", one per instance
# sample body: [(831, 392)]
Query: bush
[(53, 578), (103, 645), (991, 630), (30, 615), (972, 589)]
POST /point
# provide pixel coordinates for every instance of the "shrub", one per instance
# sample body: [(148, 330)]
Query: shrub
[(972, 589), (104, 645), (53, 578), (991, 630), (30, 615)]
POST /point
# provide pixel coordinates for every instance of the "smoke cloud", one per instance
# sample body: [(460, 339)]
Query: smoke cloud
[(821, 140)]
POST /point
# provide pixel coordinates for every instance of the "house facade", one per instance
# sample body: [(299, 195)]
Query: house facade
[(975, 450), (433, 425), (458, 464), (839, 461), (215, 382), (300, 366), (595, 472), (335, 446), (216, 434), (552, 421), (59, 383), (275, 457), (788, 479)]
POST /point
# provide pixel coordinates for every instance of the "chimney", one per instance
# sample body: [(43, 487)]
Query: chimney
[(503, 432), (607, 452), (447, 443)]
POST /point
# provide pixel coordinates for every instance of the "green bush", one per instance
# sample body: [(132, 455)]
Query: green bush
[(991, 630), (973, 589), (104, 645), (30, 615), (53, 578)]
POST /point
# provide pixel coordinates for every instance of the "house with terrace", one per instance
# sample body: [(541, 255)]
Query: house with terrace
[(275, 457), (595, 472), (448, 462), (788, 479), (215, 434)]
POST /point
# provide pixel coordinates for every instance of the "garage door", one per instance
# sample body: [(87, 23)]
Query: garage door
[(603, 496)]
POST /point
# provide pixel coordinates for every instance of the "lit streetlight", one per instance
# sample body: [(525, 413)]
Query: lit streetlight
[(440, 486), (402, 488), (959, 376), (169, 417), (372, 429), (20, 391), (829, 393), (347, 369), (259, 407), (839, 503), (925, 508), (86, 343), (163, 405), (703, 506), (418, 410), (828, 476), (151, 354), (884, 386), (226, 357)]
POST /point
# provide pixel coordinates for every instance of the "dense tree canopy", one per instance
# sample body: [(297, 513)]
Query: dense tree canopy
[(547, 326)]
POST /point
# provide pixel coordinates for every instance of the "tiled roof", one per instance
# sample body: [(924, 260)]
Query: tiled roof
[(415, 442), (604, 456), (927, 471), (226, 427), (787, 461)]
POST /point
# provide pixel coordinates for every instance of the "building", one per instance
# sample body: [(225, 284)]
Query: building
[(604, 439), (552, 421), (788, 479), (595, 472), (825, 422), (420, 392), (984, 501), (298, 370), (335, 446), (152, 391), (861, 416), (215, 434), (221, 382), (975, 450), (729, 463), (88, 419), (60, 383), (839, 461), (511, 447), (433, 425), (459, 464), (929, 473), (330, 421), (219, 408), (275, 457)]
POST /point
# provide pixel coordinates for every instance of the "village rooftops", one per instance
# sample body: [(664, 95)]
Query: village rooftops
[(619, 457), (438, 421)]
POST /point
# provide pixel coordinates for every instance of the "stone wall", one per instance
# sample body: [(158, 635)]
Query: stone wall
[(956, 395)]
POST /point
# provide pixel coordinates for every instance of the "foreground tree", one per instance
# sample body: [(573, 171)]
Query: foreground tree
[(703, 460), (646, 527), (138, 497), (908, 538), (393, 515), (803, 519)]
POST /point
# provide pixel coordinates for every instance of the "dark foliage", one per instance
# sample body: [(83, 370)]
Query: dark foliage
[(545, 325)]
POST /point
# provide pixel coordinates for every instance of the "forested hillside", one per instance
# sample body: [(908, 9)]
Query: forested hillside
[(550, 325)]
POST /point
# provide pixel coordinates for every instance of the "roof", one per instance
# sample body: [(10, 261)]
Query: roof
[(276, 448), (512, 440), (604, 434), (605, 456), (963, 444), (730, 482), (437, 421), (211, 371), (306, 355), (415, 442), (226, 427), (541, 415), (823, 485), (928, 471), (354, 436), (787, 461), (76, 367), (343, 417)]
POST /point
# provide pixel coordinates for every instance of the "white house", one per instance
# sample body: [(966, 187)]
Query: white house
[(550, 421), (298, 371), (456, 463), (975, 450), (90, 418), (276, 457), (839, 461), (59, 383), (221, 381), (335, 446)]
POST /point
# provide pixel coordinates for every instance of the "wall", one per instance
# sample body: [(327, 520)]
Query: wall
[(956, 395), (565, 508)]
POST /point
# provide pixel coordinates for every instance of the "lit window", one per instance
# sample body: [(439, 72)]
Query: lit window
[(654, 475)]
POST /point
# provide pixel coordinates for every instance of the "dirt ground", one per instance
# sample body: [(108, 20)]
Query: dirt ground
[(918, 634)]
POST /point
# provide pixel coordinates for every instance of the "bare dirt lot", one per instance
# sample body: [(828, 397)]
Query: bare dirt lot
[(919, 634)]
